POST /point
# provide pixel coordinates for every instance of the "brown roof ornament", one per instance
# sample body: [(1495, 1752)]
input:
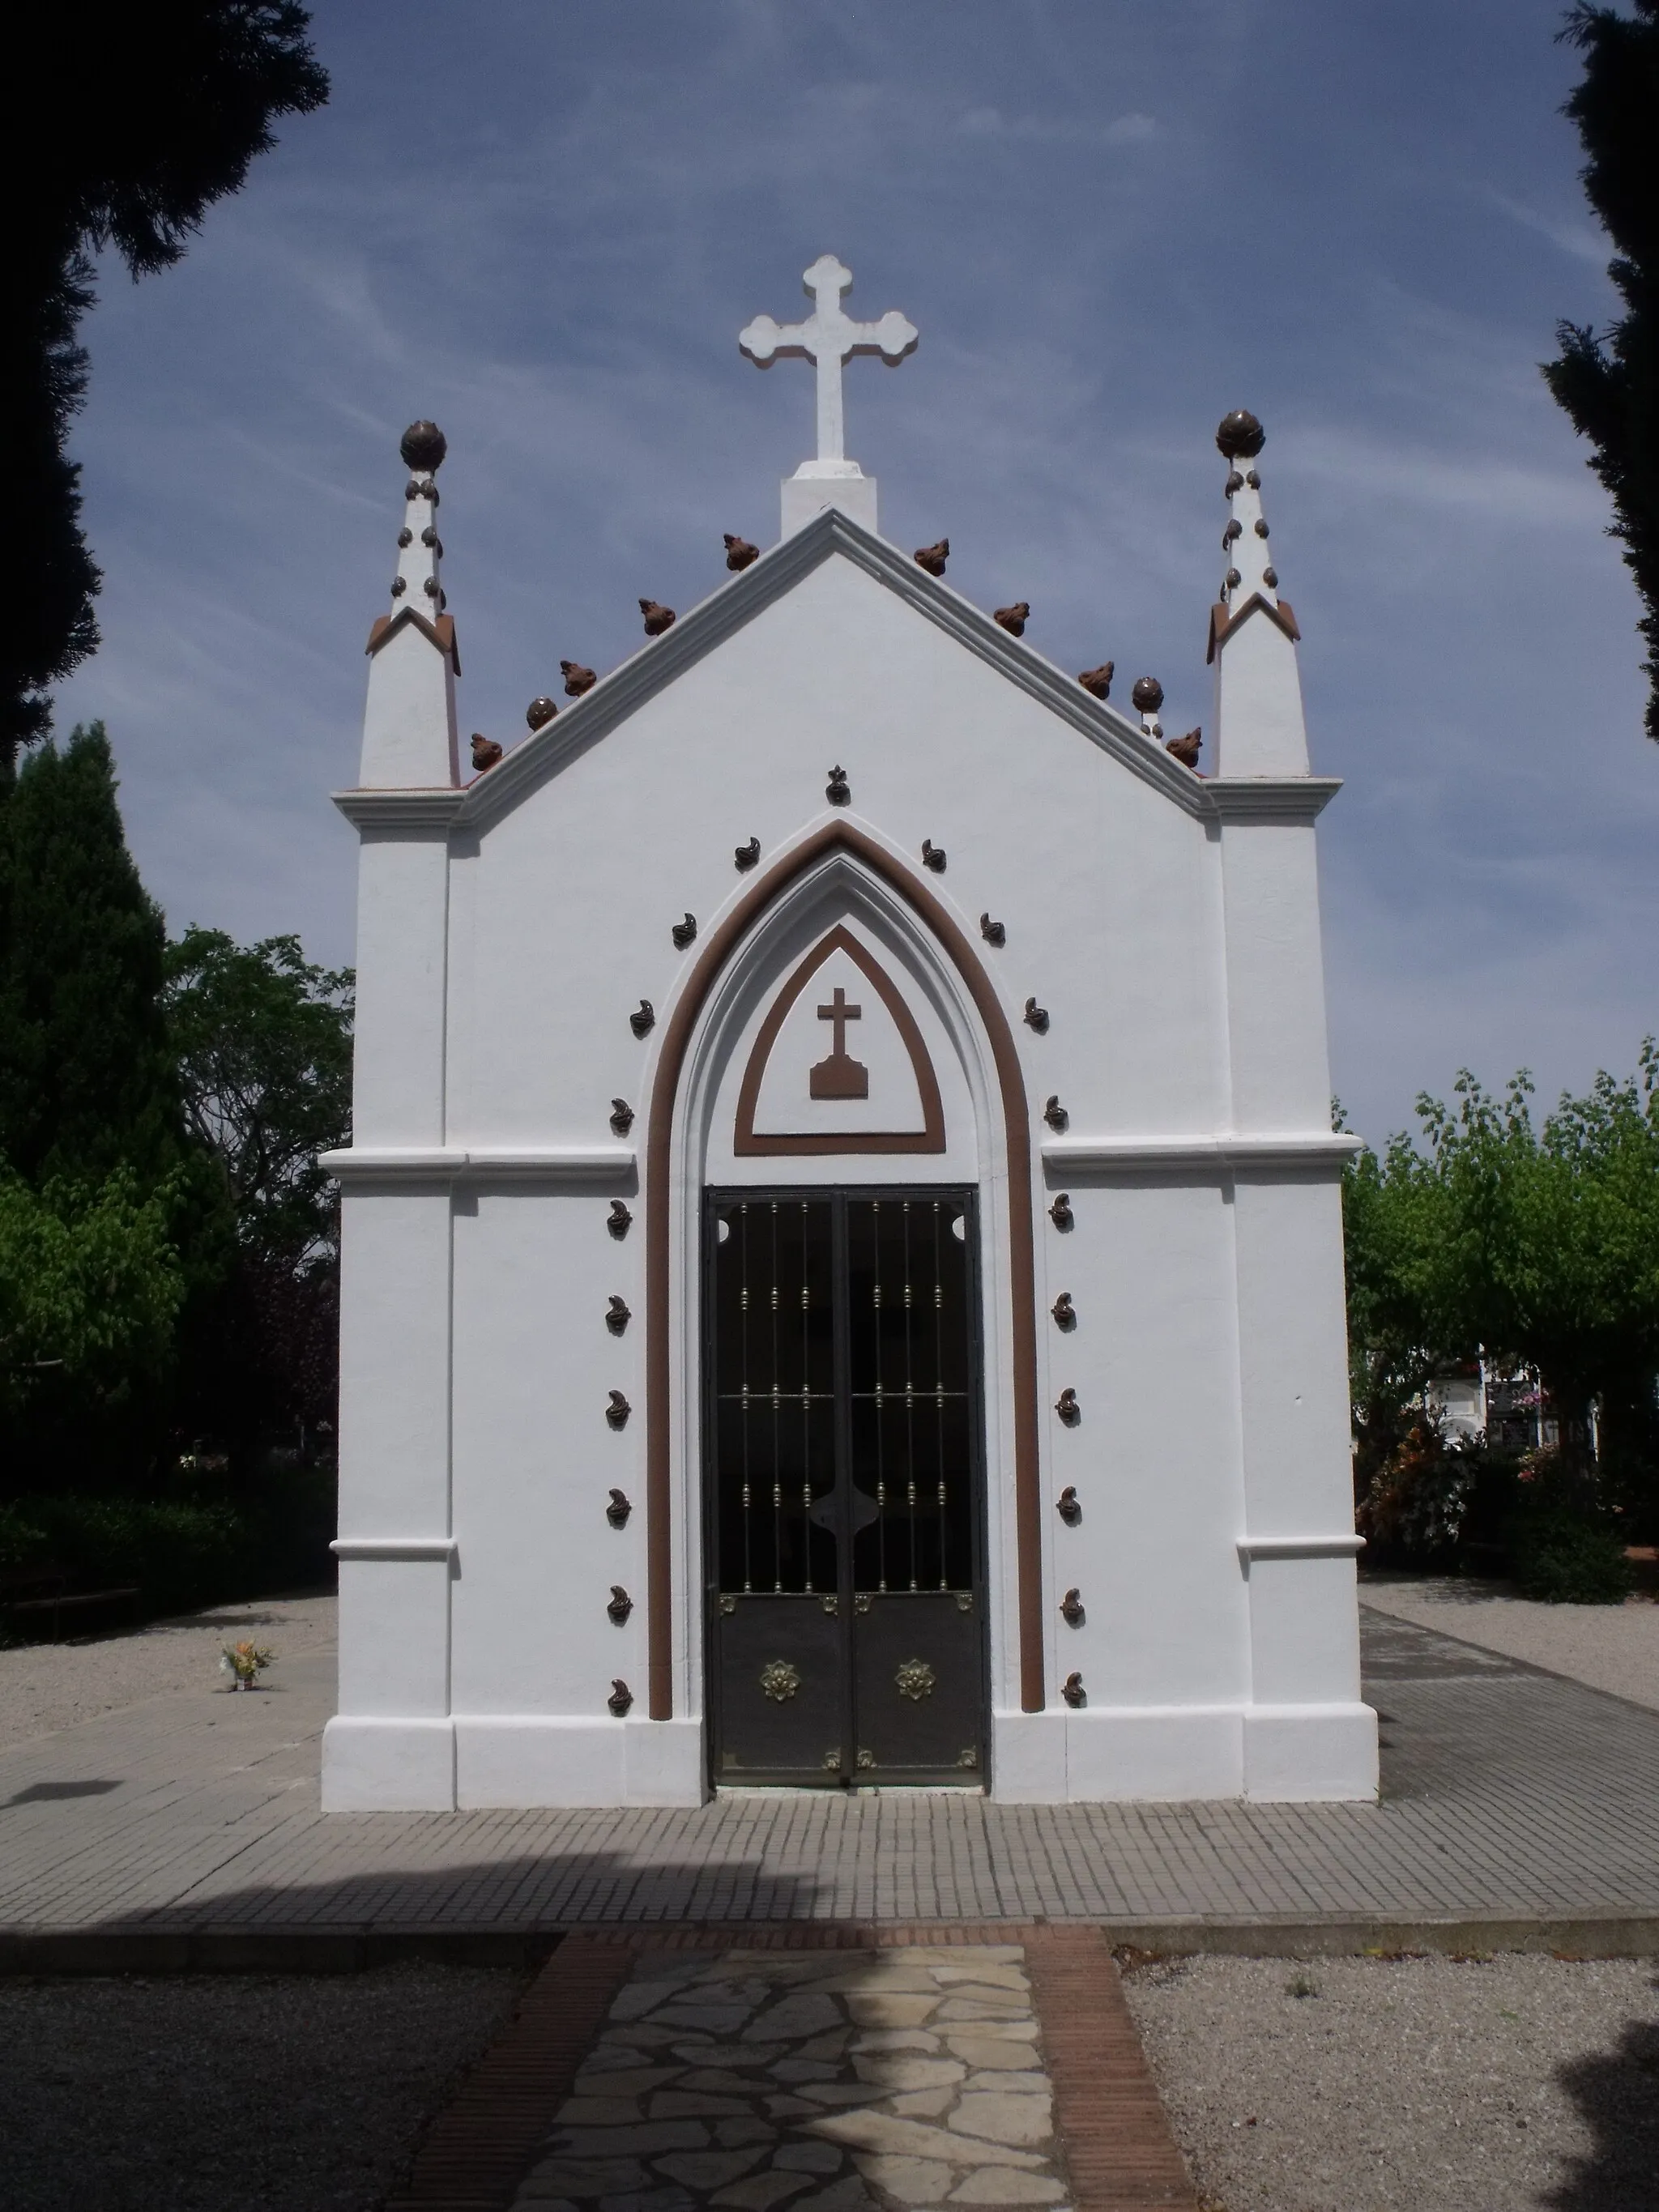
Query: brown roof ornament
[(933, 557), (485, 751), (657, 618), (577, 679), (1185, 749), (739, 552), (1239, 436), (1097, 682), (1013, 619), (540, 712)]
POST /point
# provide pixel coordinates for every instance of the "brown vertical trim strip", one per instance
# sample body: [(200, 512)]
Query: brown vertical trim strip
[(677, 1034)]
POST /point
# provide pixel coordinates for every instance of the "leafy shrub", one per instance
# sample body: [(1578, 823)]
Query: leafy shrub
[(178, 1555), (21, 1543), (1568, 1557), (1413, 1512)]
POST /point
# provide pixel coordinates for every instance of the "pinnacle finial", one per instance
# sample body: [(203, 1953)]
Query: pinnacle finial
[(422, 446), (1239, 436)]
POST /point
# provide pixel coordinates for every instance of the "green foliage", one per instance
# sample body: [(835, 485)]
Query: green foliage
[(1538, 1247), (1413, 1509), (262, 1040), (1608, 384), (139, 119), (177, 1554), (90, 1287), (1563, 1547), (87, 1079)]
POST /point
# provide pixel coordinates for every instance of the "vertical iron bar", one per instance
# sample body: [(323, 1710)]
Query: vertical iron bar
[(748, 1493), (841, 1476), (939, 1231), (909, 1395), (777, 1440), (806, 1407)]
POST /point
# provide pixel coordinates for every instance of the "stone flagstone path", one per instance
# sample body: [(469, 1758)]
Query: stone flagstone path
[(831, 2081)]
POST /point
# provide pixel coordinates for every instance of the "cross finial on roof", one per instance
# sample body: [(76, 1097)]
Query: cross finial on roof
[(828, 337)]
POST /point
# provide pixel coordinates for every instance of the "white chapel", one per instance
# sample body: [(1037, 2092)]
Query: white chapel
[(842, 1259)]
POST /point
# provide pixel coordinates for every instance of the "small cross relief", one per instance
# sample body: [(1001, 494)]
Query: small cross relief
[(839, 1076), (794, 1097)]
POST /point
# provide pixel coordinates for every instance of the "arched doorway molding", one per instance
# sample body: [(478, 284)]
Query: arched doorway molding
[(836, 859)]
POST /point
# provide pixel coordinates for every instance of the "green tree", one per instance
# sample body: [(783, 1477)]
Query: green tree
[(262, 1041), (1608, 382), (1538, 1247), (90, 1288), (138, 120), (86, 1078)]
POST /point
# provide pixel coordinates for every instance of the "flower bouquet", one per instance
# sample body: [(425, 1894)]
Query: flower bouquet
[(244, 1663)]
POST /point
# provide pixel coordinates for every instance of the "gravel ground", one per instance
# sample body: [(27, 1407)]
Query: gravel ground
[(47, 1686), (232, 2094), (1611, 1647), (1437, 2084)]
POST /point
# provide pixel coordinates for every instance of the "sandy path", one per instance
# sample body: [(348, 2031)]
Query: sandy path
[(1611, 1647), (47, 1686)]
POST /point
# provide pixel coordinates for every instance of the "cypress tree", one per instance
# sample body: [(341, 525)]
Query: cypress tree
[(1608, 382), (140, 118), (88, 1082)]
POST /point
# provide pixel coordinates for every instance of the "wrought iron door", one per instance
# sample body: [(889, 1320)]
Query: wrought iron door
[(846, 1632)]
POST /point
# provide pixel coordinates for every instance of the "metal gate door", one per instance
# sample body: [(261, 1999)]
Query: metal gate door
[(846, 1636)]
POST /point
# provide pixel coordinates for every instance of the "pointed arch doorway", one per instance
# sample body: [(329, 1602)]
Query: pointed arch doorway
[(844, 1486)]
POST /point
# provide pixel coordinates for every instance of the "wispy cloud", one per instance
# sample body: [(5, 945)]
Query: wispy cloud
[(1582, 241), (1111, 225)]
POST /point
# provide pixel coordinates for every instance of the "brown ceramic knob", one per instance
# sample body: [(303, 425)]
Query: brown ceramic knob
[(540, 712), (1239, 436), (1148, 694), (422, 446)]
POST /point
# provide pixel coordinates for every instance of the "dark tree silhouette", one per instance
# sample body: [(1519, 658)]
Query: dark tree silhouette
[(1608, 382), (137, 120)]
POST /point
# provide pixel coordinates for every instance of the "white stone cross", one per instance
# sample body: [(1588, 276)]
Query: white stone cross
[(828, 337)]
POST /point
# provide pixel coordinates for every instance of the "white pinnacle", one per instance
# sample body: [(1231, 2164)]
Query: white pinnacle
[(828, 337)]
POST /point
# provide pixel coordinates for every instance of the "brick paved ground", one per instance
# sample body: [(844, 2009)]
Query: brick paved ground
[(1508, 1793)]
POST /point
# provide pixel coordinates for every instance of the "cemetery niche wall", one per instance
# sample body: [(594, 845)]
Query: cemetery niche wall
[(842, 1279)]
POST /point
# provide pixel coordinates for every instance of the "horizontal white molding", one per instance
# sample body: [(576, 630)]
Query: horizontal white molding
[(1102, 1155), (561, 1167), (393, 1548), (1285, 800), (1300, 1547), (410, 812)]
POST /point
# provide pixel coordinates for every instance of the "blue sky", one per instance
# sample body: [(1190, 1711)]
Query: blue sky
[(544, 223)]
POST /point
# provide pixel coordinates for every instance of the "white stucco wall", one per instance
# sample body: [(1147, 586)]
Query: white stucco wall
[(1171, 934)]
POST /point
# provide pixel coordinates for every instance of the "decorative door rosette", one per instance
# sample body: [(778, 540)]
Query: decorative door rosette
[(914, 1680), (780, 1681)]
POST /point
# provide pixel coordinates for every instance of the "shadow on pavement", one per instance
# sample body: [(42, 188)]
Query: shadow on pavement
[(1617, 2094)]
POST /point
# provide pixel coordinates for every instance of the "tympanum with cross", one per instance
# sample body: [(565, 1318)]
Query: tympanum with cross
[(839, 1076), (828, 337)]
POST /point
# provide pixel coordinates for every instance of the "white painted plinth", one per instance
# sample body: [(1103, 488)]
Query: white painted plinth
[(1311, 1754), (527, 1758), (373, 1764), (1173, 1754), (818, 484)]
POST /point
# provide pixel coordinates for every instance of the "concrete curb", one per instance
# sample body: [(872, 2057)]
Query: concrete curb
[(349, 1950)]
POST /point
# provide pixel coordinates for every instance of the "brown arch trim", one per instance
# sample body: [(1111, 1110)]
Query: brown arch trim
[(835, 836), (930, 1137)]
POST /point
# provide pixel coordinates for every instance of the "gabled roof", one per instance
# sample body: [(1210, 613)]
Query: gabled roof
[(657, 664), (777, 572)]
